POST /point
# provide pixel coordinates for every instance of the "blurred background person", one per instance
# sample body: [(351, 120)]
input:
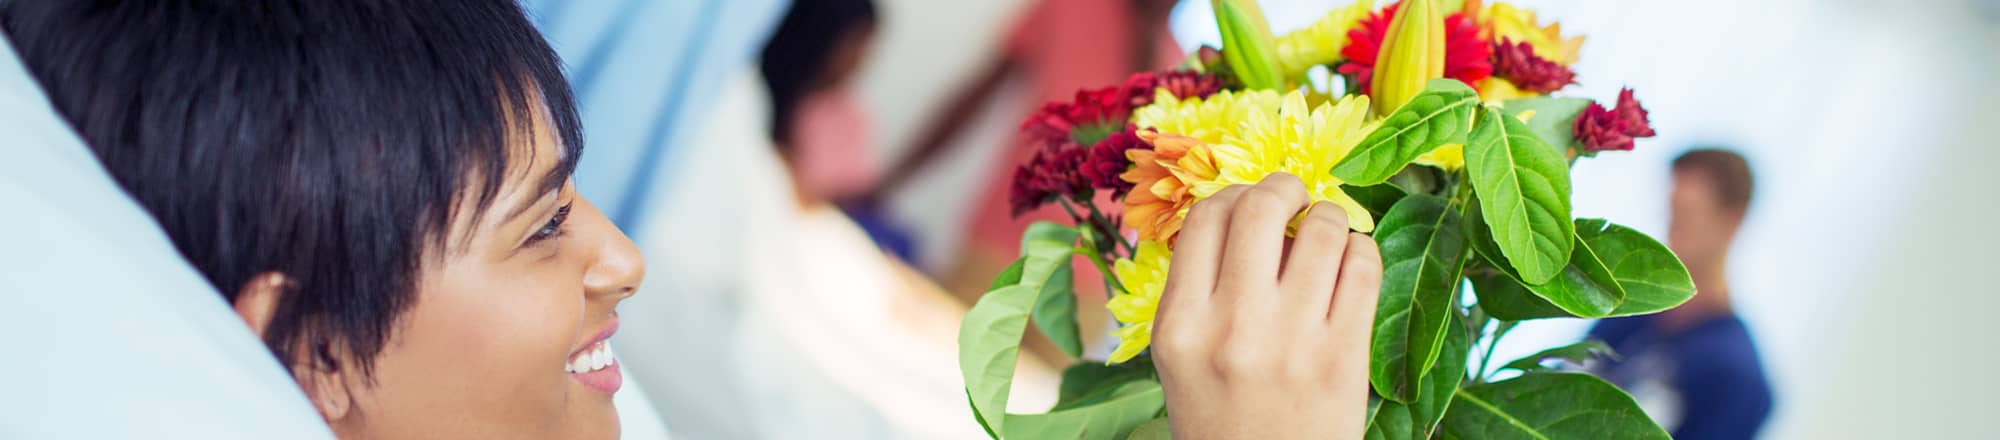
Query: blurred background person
[(817, 121), (1055, 47), (1695, 368), (776, 315)]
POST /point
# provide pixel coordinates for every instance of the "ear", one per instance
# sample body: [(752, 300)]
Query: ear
[(257, 303)]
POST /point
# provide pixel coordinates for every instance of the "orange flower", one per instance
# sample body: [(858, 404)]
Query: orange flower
[(1166, 181)]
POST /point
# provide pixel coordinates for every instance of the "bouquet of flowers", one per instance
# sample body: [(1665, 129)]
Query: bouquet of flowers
[(1436, 124)]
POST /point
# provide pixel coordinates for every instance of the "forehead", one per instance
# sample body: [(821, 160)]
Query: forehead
[(536, 163)]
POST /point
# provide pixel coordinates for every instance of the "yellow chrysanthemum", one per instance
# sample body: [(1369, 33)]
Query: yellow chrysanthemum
[(1144, 277), (1208, 119), (1321, 42), (1301, 142), (1519, 24)]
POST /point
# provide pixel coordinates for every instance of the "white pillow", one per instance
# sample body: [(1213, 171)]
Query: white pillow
[(107, 331)]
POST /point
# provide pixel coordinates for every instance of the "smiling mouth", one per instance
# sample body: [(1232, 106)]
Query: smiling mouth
[(596, 367)]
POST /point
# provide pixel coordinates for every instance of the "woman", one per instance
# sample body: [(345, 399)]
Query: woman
[(381, 191)]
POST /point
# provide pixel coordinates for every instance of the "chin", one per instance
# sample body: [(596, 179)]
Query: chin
[(591, 414)]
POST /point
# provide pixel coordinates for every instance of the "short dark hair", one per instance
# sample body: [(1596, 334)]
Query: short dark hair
[(329, 141), (1729, 170), (795, 61)]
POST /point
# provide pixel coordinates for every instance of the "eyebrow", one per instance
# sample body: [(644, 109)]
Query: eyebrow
[(548, 182)]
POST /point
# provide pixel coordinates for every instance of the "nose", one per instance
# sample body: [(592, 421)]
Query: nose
[(618, 269)]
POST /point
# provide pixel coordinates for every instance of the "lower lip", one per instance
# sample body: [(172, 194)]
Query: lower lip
[(606, 379)]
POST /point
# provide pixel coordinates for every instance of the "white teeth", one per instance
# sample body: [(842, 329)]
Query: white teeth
[(596, 358)]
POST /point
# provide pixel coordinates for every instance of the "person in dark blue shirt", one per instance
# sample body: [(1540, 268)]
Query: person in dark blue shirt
[(1695, 368)]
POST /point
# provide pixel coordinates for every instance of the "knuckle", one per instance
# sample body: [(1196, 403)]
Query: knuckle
[(1283, 179), (1172, 342), (1236, 366), (1322, 230), (1214, 205), (1246, 360), (1331, 211), (1261, 203)]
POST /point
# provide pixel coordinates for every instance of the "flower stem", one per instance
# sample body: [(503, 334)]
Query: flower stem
[(1089, 250), (1104, 225)]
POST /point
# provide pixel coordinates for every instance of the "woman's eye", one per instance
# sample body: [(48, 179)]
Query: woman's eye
[(553, 228)]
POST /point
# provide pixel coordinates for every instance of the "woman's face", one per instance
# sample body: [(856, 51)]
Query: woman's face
[(507, 335)]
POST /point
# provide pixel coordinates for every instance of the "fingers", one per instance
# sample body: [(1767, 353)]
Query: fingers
[(1314, 261), (1198, 251), (1355, 294), (1257, 237)]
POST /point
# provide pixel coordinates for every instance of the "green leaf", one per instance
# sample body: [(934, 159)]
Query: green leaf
[(1523, 189), (1547, 406), (1391, 422), (1047, 230), (1115, 417), (1055, 309), (989, 338), (1585, 287), (1376, 198), (1577, 353), (1156, 429), (1438, 116), (1443, 380), (1653, 278), (1081, 381), (1554, 120), (1506, 299), (1423, 252), (1055, 312)]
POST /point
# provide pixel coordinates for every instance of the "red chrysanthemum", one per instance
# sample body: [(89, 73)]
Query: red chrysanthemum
[(1599, 129), (1466, 54), (1052, 173), (1517, 63), (1094, 114), (1108, 160)]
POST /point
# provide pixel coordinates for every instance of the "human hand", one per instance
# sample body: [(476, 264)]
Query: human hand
[(1252, 343)]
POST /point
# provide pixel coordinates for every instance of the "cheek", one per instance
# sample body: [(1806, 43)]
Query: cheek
[(489, 349)]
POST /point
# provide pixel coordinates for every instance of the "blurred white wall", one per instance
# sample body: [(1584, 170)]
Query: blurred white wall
[(1864, 266)]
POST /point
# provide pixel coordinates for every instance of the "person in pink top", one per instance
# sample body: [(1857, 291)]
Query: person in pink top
[(1056, 47)]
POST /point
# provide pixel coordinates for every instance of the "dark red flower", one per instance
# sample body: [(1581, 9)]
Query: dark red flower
[(1107, 160), (1598, 129), (1094, 114), (1637, 122), (1182, 84), (1518, 64), (1466, 54), (1052, 173)]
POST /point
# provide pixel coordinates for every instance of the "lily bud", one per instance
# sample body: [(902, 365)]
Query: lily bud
[(1247, 44), (1412, 53)]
